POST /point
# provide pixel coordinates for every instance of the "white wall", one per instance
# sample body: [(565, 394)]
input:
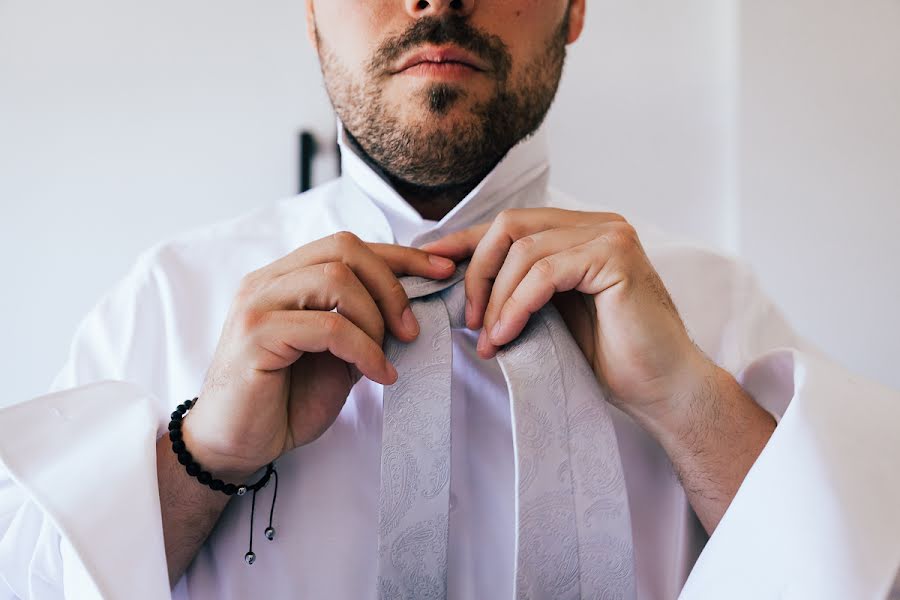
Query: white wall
[(644, 118), (820, 171), (124, 122), (121, 123)]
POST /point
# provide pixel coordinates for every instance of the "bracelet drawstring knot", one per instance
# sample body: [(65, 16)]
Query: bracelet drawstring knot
[(195, 470)]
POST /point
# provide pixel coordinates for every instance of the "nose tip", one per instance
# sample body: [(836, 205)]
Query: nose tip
[(434, 8)]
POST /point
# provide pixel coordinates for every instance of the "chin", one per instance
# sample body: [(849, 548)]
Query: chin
[(439, 100), (441, 112), (430, 128)]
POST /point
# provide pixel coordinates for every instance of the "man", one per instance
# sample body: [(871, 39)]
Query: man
[(278, 319)]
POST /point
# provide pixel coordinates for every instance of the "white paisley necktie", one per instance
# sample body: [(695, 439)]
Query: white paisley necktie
[(573, 528)]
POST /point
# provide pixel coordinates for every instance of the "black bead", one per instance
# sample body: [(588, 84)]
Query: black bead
[(270, 533), (216, 485), (185, 457), (249, 558), (204, 477), (178, 446), (229, 489), (176, 416), (182, 409), (175, 435), (193, 469), (174, 425)]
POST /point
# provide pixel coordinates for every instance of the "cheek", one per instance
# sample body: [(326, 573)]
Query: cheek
[(352, 28), (525, 26), (521, 17)]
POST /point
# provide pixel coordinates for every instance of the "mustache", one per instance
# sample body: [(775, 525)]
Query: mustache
[(441, 31)]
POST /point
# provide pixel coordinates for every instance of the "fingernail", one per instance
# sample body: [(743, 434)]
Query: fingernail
[(440, 261), (392, 371), (495, 332), (409, 321), (482, 342)]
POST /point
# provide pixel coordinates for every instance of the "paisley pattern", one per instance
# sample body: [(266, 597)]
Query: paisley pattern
[(573, 533), (601, 500), (415, 461)]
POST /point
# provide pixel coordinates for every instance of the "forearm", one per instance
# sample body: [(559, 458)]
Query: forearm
[(190, 510), (712, 441)]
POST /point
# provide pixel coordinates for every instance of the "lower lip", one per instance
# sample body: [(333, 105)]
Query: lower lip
[(444, 70)]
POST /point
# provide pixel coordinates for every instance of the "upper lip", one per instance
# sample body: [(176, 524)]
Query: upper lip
[(434, 54)]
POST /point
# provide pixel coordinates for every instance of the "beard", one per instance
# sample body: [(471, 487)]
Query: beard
[(440, 151)]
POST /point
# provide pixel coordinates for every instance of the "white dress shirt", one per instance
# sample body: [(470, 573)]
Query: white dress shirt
[(79, 510)]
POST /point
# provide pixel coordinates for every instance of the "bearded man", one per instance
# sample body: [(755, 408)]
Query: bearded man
[(737, 466)]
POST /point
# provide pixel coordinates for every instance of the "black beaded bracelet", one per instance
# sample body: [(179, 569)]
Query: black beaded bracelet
[(195, 470)]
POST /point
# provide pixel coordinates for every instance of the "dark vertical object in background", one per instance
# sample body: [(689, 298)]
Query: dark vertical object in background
[(337, 152), (307, 149), (307, 154)]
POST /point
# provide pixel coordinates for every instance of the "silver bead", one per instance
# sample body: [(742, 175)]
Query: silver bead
[(270, 533), (250, 558), (242, 489)]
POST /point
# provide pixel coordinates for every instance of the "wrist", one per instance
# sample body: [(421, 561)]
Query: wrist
[(712, 432), (693, 400), (220, 465), (712, 405), (226, 469)]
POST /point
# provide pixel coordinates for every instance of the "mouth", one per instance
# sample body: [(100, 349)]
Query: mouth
[(447, 62)]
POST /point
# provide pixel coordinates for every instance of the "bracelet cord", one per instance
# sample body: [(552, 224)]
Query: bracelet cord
[(195, 470)]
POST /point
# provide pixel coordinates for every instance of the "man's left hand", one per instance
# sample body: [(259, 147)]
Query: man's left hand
[(594, 269)]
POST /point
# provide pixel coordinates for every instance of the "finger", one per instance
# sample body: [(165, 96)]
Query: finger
[(460, 244), (577, 268), (324, 286), (490, 253), (522, 256), (385, 288), (373, 271), (284, 335), (403, 260)]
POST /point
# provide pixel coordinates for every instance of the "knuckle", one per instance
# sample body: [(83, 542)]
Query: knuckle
[(396, 292), (629, 229), (544, 267), (248, 285), (522, 247), (249, 320), (623, 235), (471, 280), (345, 240), (614, 217), (331, 323), (337, 273), (379, 329), (506, 218)]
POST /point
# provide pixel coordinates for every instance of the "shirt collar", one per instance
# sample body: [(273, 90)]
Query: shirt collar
[(519, 180)]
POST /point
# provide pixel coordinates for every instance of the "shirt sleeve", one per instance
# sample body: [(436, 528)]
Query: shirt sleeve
[(755, 340), (28, 548), (816, 516), (113, 338), (57, 466)]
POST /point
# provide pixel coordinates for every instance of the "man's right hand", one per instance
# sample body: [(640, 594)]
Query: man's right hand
[(285, 362)]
